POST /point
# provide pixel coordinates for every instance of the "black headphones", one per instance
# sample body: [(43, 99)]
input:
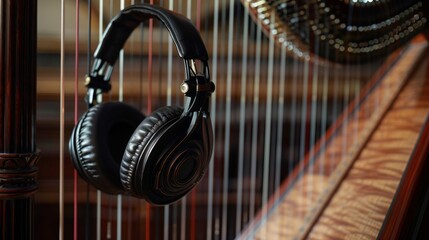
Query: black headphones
[(160, 157)]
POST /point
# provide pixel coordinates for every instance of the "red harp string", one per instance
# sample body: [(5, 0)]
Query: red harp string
[(76, 85), (149, 108)]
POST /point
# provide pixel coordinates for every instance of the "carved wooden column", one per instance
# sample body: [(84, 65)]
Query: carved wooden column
[(18, 156)]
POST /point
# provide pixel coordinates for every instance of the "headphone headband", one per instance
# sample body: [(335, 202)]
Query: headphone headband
[(186, 37)]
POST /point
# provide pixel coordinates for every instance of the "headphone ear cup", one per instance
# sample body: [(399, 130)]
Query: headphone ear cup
[(167, 156), (98, 142), (138, 143)]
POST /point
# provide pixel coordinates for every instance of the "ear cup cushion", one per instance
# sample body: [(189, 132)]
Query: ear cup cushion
[(98, 143), (140, 139)]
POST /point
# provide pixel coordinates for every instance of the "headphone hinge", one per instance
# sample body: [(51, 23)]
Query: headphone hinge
[(95, 85), (97, 82), (198, 89), (197, 84)]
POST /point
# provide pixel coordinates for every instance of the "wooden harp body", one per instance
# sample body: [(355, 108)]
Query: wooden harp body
[(360, 179)]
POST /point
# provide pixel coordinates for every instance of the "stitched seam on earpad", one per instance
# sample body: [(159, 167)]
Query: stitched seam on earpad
[(139, 150), (154, 123), (141, 138), (90, 170)]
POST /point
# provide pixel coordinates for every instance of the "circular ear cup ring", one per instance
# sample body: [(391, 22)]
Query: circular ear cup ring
[(98, 142), (175, 174)]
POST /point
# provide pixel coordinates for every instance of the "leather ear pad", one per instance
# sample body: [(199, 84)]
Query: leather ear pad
[(98, 142), (143, 134)]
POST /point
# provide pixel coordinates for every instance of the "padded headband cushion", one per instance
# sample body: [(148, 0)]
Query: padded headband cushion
[(100, 139), (186, 37)]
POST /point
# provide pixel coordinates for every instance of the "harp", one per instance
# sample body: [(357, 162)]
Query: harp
[(318, 133)]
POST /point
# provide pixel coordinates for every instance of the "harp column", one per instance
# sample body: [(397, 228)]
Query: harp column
[(18, 157)]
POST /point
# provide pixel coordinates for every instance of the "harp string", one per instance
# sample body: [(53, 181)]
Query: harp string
[(120, 99), (62, 95), (241, 138), (149, 108), (292, 126), (141, 67), (210, 182), (170, 62), (281, 118), (303, 127), (169, 103), (130, 207), (324, 109), (121, 67), (268, 118), (221, 116), (87, 203), (255, 115), (89, 57), (227, 133), (76, 85), (314, 101), (345, 100)]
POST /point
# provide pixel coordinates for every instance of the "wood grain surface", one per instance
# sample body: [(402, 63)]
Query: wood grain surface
[(360, 205)]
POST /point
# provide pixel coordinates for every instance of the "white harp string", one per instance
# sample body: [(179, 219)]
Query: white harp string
[(100, 37), (213, 119), (241, 147), (121, 98), (280, 119), (267, 134), (225, 187), (255, 123), (313, 118)]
